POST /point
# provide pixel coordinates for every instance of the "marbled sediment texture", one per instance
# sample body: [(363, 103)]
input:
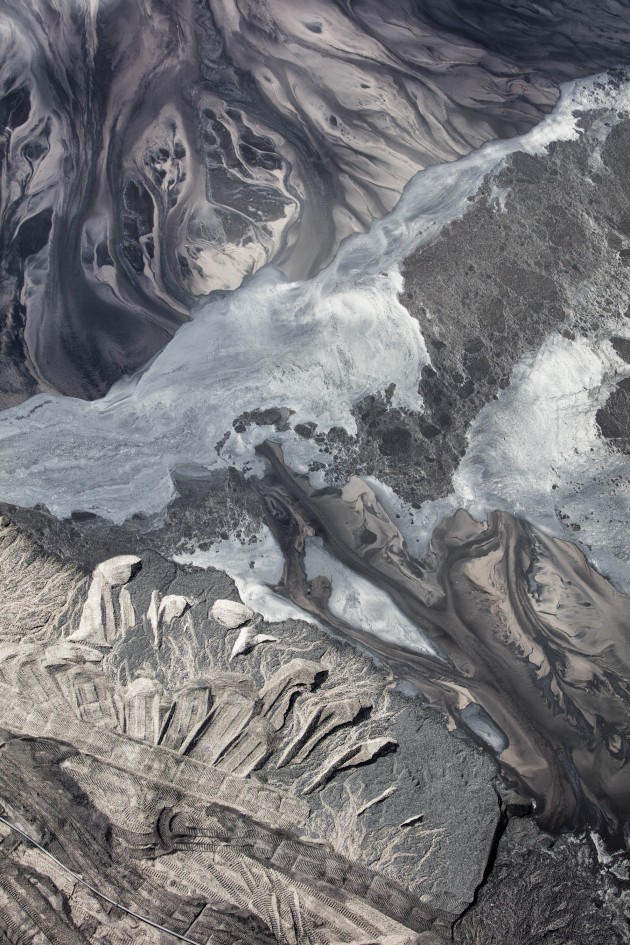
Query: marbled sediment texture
[(532, 651), (571, 789), (231, 781), (153, 153)]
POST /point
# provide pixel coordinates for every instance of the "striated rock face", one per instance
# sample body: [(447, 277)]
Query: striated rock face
[(98, 623), (224, 790), (39, 595), (231, 613)]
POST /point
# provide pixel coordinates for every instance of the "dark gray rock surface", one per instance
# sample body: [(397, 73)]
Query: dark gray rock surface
[(204, 511), (613, 419), (488, 291), (544, 891)]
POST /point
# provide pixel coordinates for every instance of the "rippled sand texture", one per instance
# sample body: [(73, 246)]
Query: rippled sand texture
[(533, 645), (153, 153)]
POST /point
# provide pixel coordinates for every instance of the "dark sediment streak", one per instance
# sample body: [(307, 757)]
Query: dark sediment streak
[(152, 153), (534, 644)]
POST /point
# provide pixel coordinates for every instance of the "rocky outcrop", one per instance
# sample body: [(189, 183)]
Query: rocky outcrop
[(39, 594), (231, 613), (98, 624), (154, 757), (551, 891)]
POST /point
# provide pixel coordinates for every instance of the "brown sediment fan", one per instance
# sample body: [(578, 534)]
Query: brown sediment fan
[(533, 643)]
